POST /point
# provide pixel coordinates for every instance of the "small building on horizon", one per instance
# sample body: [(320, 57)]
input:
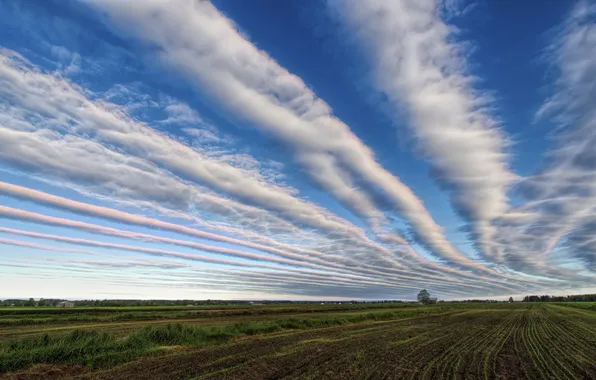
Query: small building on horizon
[(432, 300), (66, 304)]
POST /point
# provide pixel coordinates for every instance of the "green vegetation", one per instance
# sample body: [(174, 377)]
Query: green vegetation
[(580, 305), (94, 348), (450, 340), (41, 316), (423, 296), (570, 298), (79, 347)]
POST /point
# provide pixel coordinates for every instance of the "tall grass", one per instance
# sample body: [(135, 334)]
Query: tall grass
[(89, 348), (19, 320), (100, 349)]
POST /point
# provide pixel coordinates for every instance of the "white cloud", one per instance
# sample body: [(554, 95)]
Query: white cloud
[(202, 136), (130, 97), (329, 260), (181, 113), (18, 243), (561, 197), (89, 164), (65, 109), (97, 149), (92, 143), (419, 67), (70, 62), (204, 47), (451, 9)]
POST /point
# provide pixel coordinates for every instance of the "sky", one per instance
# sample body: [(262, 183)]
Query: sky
[(297, 150)]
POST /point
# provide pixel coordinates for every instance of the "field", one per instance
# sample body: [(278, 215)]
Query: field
[(370, 341)]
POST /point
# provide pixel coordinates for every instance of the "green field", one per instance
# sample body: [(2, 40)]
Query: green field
[(302, 341)]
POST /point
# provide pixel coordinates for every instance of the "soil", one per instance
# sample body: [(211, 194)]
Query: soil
[(46, 371), (534, 342)]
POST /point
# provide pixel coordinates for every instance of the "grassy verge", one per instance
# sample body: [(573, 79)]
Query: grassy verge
[(100, 349)]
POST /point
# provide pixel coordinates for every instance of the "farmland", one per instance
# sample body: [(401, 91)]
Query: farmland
[(305, 341)]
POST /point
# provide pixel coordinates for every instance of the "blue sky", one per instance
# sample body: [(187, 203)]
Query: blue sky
[(340, 149)]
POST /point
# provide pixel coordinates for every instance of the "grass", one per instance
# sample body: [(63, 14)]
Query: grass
[(100, 349), (40, 316), (450, 341), (92, 349), (591, 306), (42, 319), (266, 307)]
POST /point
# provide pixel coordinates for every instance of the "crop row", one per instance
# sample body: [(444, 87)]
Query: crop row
[(96, 348), (537, 341)]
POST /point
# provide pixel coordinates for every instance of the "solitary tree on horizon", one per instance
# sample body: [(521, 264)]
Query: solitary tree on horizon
[(510, 299), (423, 296)]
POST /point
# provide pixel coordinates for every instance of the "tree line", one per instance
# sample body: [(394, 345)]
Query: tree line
[(571, 298), (30, 302), (114, 303)]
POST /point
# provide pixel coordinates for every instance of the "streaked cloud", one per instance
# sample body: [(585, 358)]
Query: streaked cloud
[(417, 63), (561, 198), (221, 63), (191, 154)]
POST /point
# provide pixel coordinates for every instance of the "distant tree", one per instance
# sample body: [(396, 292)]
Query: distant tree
[(423, 296), (510, 299), (532, 298), (570, 298)]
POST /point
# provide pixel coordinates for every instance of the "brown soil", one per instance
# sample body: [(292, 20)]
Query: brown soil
[(45, 371), (537, 342)]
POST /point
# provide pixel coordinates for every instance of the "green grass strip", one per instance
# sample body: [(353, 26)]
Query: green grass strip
[(96, 349)]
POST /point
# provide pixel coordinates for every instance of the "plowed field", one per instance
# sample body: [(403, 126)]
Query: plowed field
[(532, 341)]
